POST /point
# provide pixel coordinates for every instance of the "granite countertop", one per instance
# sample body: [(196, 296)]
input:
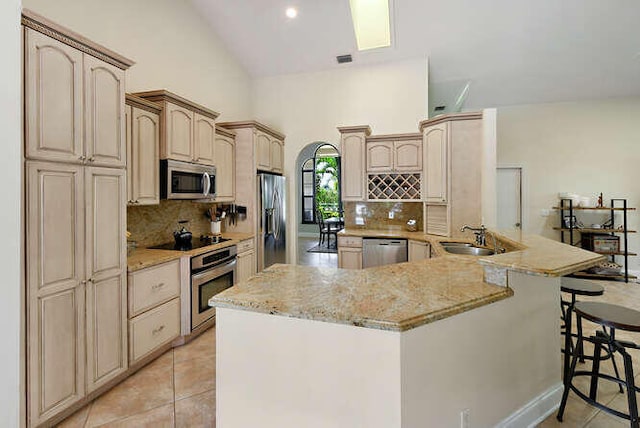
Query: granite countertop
[(142, 258), (401, 296)]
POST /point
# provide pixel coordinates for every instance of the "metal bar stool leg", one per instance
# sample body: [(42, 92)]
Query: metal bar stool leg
[(568, 348), (631, 389), (613, 355), (567, 379), (593, 390)]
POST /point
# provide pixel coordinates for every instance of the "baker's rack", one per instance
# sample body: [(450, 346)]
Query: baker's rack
[(570, 231)]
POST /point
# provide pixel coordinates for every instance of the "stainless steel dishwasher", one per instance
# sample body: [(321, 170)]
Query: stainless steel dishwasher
[(378, 252)]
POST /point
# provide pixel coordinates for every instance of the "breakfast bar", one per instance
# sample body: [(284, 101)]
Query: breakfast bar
[(427, 343)]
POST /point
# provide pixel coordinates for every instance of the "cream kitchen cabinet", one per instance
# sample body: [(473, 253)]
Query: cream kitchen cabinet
[(154, 308), (225, 162), (394, 156), (188, 129), (143, 145), (353, 159), (269, 153), (66, 89), (436, 163), (419, 250), (349, 252), (253, 143), (76, 298), (75, 217), (246, 266)]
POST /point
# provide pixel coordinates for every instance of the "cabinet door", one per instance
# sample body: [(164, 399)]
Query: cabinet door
[(205, 136), (106, 330), (277, 156), (353, 170), (380, 156), (145, 157), (225, 156), (263, 151), (246, 265), (407, 155), (350, 258), (53, 99), (104, 113), (436, 148), (55, 287), (419, 251), (179, 133)]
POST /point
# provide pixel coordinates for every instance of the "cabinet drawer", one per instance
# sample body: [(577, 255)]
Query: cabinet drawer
[(349, 241), (152, 286), (153, 329), (245, 245)]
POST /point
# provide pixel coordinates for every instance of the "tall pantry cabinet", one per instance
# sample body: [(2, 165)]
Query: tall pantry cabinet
[(75, 199)]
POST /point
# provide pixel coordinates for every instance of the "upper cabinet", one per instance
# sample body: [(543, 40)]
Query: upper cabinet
[(269, 152), (394, 155), (436, 154), (224, 153), (352, 143), (70, 86), (143, 146), (188, 129)]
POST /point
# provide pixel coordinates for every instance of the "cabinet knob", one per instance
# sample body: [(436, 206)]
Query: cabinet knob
[(157, 330), (91, 159), (83, 282), (82, 158), (158, 286)]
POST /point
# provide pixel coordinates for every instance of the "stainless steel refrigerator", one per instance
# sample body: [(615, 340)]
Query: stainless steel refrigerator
[(272, 242)]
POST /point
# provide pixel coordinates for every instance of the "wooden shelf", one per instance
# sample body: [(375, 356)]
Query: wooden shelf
[(589, 230), (620, 253), (593, 209), (601, 276)]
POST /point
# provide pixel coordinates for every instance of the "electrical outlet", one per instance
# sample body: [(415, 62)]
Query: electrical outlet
[(464, 418), (391, 215)]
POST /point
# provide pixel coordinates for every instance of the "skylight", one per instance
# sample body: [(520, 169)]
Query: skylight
[(371, 23)]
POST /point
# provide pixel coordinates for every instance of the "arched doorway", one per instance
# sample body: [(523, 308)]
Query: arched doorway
[(318, 193)]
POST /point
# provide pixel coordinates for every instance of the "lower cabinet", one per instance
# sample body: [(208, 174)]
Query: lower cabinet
[(154, 308), (349, 252), (419, 250), (246, 260)]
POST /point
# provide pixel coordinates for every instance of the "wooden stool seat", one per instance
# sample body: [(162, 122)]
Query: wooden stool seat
[(581, 287), (609, 315)]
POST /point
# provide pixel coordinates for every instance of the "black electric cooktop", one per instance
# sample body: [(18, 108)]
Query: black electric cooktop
[(203, 241)]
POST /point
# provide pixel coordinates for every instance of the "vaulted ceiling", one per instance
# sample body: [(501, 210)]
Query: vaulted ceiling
[(512, 51)]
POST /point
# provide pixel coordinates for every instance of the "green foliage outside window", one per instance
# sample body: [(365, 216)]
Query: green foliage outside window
[(327, 194)]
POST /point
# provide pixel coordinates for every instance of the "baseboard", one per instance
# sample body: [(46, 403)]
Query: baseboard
[(536, 410)]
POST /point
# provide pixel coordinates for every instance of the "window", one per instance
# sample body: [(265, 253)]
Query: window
[(308, 191)]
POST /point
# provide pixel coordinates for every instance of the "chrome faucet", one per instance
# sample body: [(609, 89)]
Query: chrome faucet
[(480, 232)]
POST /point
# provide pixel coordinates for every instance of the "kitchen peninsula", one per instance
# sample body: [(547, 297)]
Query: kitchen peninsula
[(424, 343)]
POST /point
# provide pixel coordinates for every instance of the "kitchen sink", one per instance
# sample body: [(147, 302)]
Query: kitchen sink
[(466, 249), (456, 244)]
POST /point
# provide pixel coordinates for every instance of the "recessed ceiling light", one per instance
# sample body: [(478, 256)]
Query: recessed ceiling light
[(371, 23), (291, 12)]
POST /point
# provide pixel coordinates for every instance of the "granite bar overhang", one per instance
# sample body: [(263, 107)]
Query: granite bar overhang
[(401, 296)]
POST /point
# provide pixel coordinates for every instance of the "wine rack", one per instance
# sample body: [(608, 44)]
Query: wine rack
[(393, 187)]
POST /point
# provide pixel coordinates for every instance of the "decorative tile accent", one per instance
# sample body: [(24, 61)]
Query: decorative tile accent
[(375, 215)]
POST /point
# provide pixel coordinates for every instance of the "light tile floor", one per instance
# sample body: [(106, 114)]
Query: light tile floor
[(178, 389), (314, 259)]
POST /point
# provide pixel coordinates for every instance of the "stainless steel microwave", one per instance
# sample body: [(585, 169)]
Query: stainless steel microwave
[(184, 180)]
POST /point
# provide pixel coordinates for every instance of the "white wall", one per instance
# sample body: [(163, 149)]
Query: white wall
[(581, 147), (11, 357), (308, 107), (174, 48)]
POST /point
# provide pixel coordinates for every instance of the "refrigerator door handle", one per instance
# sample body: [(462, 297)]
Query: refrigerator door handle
[(275, 215)]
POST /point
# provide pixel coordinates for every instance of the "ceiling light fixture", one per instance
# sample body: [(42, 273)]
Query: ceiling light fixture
[(291, 12), (371, 23)]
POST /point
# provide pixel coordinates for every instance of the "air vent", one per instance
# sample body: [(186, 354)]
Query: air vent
[(439, 108), (344, 58)]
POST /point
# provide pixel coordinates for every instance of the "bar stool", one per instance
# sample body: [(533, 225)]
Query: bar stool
[(575, 287), (614, 317)]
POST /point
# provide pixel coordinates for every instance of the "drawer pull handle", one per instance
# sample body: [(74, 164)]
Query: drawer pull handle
[(157, 330), (158, 286)]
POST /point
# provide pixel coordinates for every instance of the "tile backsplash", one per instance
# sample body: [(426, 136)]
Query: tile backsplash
[(375, 215), (154, 224)]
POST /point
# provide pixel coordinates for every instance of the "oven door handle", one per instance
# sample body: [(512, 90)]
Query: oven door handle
[(214, 272)]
